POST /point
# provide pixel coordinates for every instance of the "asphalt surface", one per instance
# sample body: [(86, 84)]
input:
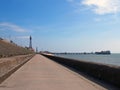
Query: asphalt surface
[(41, 73)]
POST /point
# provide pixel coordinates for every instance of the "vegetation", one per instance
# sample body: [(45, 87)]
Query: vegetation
[(8, 49)]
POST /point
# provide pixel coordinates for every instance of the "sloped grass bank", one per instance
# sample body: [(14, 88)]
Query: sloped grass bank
[(11, 64)]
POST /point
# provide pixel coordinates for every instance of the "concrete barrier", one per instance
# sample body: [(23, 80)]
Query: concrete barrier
[(108, 73), (10, 65)]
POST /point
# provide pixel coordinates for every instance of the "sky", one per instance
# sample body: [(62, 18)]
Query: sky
[(62, 25)]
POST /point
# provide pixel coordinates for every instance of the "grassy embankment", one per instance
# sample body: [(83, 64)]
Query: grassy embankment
[(8, 49), (12, 57)]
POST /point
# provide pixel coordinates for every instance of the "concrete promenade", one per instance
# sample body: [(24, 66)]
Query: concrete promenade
[(41, 73)]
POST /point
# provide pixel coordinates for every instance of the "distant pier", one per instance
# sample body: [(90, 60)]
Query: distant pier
[(85, 53)]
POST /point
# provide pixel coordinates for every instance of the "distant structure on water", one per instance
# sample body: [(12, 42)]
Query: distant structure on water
[(103, 53), (85, 53)]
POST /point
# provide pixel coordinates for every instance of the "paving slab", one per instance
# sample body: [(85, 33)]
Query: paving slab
[(41, 73)]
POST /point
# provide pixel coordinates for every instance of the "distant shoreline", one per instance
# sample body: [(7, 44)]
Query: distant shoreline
[(95, 53)]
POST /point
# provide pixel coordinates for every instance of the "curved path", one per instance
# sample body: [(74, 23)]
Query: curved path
[(41, 73)]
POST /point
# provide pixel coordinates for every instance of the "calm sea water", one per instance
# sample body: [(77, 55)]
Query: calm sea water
[(113, 59)]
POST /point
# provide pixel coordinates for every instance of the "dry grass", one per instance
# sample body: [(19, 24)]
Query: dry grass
[(9, 49), (11, 64)]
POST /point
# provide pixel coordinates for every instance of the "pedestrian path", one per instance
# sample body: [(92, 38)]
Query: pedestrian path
[(41, 73)]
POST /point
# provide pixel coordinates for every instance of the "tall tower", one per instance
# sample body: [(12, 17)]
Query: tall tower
[(30, 45)]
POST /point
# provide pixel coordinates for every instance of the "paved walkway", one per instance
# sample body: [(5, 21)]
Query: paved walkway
[(41, 73)]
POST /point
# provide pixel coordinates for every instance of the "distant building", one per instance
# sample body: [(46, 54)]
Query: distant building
[(1, 38), (30, 43), (103, 52), (36, 50)]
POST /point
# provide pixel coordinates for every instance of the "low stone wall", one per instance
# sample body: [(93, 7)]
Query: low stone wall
[(9, 65), (108, 73)]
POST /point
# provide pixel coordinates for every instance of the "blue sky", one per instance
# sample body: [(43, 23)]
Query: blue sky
[(62, 25)]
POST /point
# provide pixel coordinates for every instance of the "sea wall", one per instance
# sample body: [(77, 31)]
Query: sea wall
[(11, 64), (108, 73)]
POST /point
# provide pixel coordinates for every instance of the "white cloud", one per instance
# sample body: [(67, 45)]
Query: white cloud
[(23, 37), (103, 6), (97, 19), (13, 27), (70, 0)]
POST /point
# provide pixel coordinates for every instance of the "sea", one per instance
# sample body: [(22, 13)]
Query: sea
[(112, 59)]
